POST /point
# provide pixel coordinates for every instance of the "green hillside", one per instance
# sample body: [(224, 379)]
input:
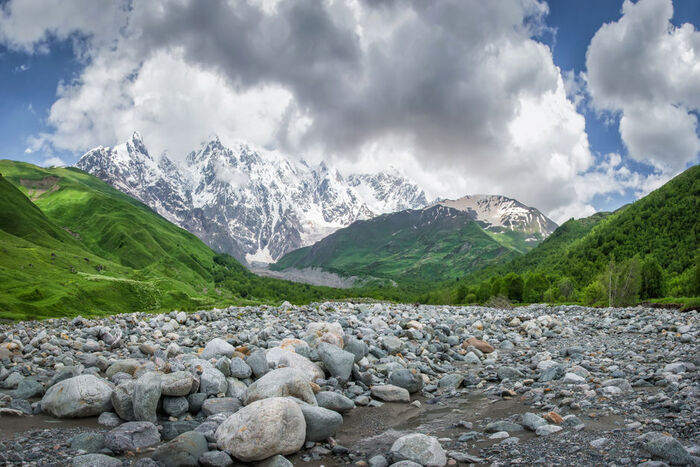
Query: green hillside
[(71, 244), (429, 245), (656, 233)]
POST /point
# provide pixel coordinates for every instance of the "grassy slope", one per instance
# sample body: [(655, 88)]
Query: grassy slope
[(445, 244), (664, 224), (119, 255)]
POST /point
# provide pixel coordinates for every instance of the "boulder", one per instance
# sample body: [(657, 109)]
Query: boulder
[(331, 333), (281, 382), (220, 405), (131, 436), (262, 429), (212, 382), (95, 460), (146, 396), (337, 361), (80, 396), (478, 344), (184, 450), (123, 400), (280, 357), (217, 348), (391, 393), (334, 401), (178, 383), (410, 380), (419, 448), (320, 423)]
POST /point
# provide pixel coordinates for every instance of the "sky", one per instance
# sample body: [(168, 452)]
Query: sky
[(572, 107)]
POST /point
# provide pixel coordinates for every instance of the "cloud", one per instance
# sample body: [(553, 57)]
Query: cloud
[(646, 69), (461, 94), (53, 162)]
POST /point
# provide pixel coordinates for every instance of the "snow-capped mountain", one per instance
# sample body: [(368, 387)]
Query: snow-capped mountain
[(499, 212), (254, 204)]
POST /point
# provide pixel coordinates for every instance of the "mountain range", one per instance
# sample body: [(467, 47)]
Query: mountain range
[(259, 205)]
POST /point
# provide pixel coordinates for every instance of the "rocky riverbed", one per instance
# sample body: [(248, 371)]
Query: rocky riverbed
[(363, 384)]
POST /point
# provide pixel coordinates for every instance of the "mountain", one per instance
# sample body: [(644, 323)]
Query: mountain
[(70, 243), (254, 204), (661, 228), (431, 244)]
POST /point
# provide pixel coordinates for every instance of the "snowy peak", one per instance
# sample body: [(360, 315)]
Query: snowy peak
[(500, 212), (254, 204)]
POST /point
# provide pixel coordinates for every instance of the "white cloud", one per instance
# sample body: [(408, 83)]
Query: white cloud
[(648, 70), (53, 162), (459, 93)]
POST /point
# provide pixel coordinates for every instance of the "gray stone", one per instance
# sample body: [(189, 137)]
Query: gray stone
[(452, 381), (175, 406), (95, 460), (281, 382), (123, 400), (666, 447), (196, 401), (546, 430), (217, 348), (507, 372), (392, 344), (551, 373), (179, 383), (262, 429), (378, 461), (240, 369), (410, 380), (280, 357), (532, 421), (419, 448), (132, 436), (220, 405), (88, 441), (147, 392), (80, 396), (109, 419), (128, 366), (185, 450), (391, 393), (356, 347), (320, 423), (258, 363), (337, 361), (503, 425), (573, 378), (215, 459), (275, 461), (212, 382), (334, 401), (28, 388)]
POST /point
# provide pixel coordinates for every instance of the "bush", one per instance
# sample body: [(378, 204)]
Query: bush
[(652, 282), (499, 301), (515, 286), (594, 294)]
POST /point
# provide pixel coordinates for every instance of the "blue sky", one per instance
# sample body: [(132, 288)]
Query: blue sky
[(31, 68)]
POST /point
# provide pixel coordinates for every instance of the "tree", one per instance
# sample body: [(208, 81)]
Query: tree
[(484, 292), (535, 286), (497, 286), (652, 279), (622, 282), (514, 286), (462, 293), (566, 288)]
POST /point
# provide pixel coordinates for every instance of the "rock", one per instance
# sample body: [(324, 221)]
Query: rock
[(551, 373), (478, 344), (320, 423), (334, 401), (175, 406), (391, 393), (378, 461), (215, 459), (507, 372), (392, 344), (196, 401), (220, 405), (123, 400), (95, 460), (128, 366), (532, 421), (553, 417), (337, 361), (281, 382), (109, 419), (258, 363), (599, 443), (147, 390), (666, 447), (212, 382), (419, 448), (88, 441), (28, 388), (452, 381), (240, 369), (546, 430), (131, 436), (217, 348), (572, 378), (80, 396), (284, 358), (275, 461), (330, 333), (356, 347), (410, 380), (179, 383), (185, 450), (502, 425), (262, 429)]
